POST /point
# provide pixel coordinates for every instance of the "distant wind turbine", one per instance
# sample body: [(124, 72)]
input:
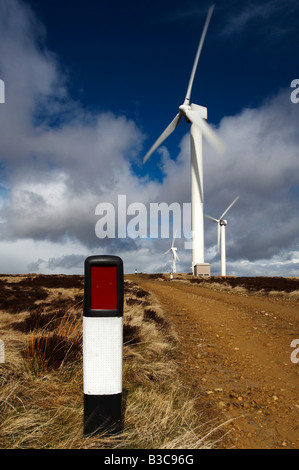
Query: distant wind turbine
[(222, 223), (195, 115), (175, 256)]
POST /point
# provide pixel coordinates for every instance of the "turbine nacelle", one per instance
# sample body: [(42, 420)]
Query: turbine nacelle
[(222, 222), (201, 111)]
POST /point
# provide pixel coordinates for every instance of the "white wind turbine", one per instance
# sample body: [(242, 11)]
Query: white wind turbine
[(175, 256), (196, 115), (222, 223)]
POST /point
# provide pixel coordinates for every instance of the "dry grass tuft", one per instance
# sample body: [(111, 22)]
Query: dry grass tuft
[(294, 295), (162, 421)]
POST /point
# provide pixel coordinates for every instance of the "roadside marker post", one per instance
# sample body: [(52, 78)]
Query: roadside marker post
[(103, 343)]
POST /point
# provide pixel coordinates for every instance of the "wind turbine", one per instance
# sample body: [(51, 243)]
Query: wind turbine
[(175, 256), (195, 115), (222, 223)]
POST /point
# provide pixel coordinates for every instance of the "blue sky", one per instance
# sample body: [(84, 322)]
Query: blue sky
[(90, 85)]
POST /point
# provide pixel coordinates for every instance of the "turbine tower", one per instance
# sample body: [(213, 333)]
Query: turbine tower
[(175, 256), (195, 115), (222, 223)]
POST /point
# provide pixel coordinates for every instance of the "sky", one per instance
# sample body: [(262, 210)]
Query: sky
[(90, 85)]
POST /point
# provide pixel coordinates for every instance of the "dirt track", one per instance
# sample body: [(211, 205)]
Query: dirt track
[(235, 353)]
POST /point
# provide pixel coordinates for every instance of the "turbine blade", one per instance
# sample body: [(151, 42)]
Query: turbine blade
[(207, 131), (218, 238), (203, 35), (173, 239), (235, 200), (211, 218), (177, 256), (168, 251), (169, 129)]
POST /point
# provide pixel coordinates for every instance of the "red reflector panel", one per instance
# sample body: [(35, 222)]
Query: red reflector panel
[(103, 288)]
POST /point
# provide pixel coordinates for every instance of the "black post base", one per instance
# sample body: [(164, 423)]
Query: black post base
[(102, 413)]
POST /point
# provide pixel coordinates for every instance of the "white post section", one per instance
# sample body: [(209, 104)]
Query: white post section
[(102, 350), (103, 344), (197, 223)]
